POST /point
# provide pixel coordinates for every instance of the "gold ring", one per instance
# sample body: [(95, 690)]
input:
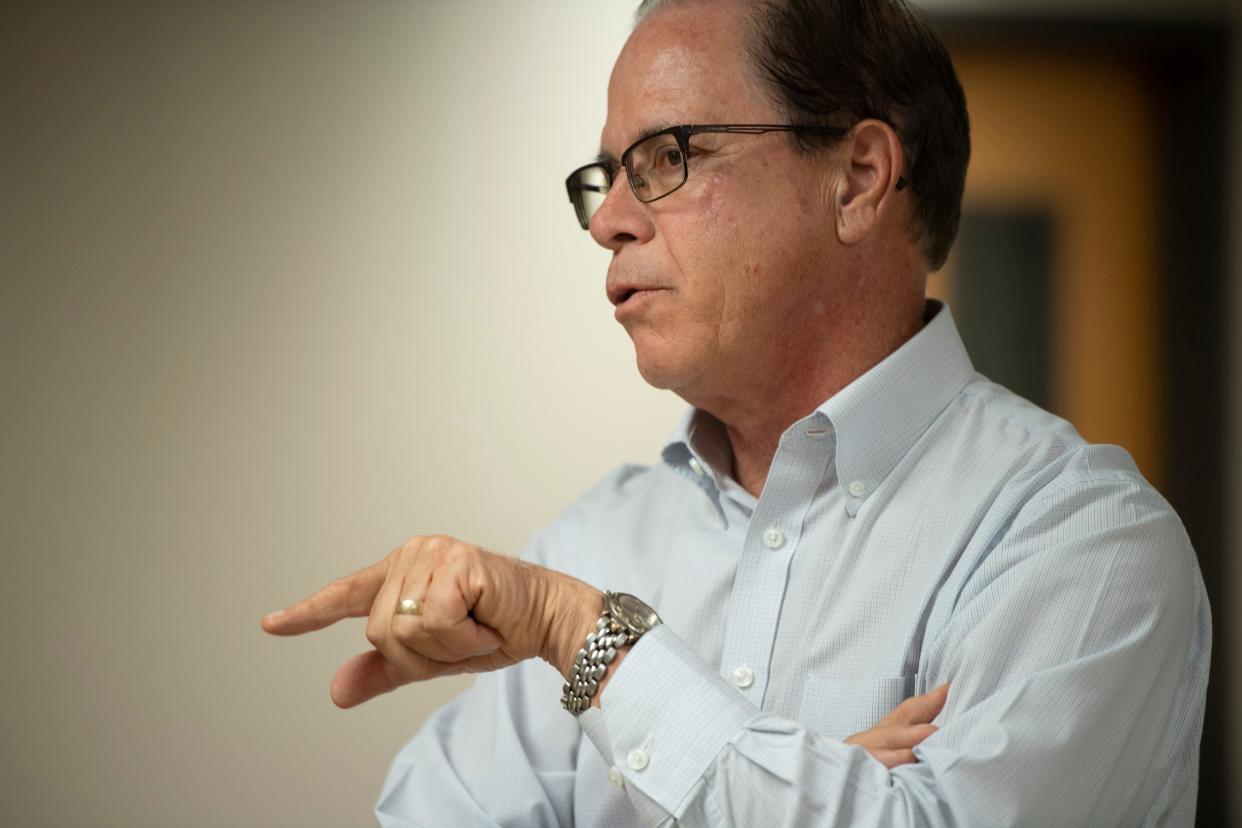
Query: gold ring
[(409, 606)]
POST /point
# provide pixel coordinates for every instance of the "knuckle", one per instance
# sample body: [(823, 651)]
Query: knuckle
[(407, 550), (317, 605), (449, 547), (355, 594), (459, 561), (374, 634), (404, 634), (433, 624), (334, 592)]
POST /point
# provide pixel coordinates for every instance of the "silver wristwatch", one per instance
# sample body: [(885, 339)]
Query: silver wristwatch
[(623, 621)]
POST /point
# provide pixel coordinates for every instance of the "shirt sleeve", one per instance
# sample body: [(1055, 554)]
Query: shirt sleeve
[(488, 758), (1076, 648), (502, 753)]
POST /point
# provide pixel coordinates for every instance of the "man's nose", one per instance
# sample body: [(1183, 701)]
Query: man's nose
[(621, 218)]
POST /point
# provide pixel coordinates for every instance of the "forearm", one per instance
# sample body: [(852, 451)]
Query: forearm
[(691, 748), (709, 757)]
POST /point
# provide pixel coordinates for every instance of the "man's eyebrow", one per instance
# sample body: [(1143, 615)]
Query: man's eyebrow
[(605, 157)]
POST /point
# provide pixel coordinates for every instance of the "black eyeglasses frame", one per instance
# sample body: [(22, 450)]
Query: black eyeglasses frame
[(575, 185)]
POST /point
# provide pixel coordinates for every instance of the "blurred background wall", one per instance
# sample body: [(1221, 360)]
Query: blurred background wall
[(283, 284)]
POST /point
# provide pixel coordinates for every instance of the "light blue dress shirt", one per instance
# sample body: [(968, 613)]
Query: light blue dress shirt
[(922, 526)]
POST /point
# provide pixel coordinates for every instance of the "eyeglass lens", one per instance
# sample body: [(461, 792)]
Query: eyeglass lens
[(587, 189), (655, 167)]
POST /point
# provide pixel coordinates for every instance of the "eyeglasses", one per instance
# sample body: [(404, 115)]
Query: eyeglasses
[(658, 164)]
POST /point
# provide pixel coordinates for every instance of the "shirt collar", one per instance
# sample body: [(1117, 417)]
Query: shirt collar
[(875, 420), (698, 449), (878, 417)]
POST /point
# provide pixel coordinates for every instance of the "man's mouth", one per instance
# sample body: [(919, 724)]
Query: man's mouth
[(625, 293)]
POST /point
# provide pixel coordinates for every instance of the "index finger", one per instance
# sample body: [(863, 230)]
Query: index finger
[(348, 597)]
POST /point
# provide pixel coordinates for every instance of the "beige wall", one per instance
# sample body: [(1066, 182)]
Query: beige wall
[(282, 284)]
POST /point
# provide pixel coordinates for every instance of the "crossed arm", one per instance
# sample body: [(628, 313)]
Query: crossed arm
[(1077, 643)]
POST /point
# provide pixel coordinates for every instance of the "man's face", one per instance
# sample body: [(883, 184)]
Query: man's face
[(720, 281)]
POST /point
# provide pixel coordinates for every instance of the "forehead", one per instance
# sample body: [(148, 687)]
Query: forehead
[(682, 64)]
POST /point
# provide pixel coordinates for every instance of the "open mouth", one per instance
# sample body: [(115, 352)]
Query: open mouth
[(623, 296)]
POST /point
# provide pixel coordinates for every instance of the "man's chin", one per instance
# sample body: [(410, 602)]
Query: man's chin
[(669, 363), (666, 375)]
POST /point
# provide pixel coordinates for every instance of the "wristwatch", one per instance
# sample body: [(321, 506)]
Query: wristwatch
[(624, 620)]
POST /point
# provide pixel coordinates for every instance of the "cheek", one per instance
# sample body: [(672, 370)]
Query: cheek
[(699, 236), (745, 242), (736, 241)]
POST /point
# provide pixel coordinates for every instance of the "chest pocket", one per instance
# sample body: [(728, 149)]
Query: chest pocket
[(839, 707)]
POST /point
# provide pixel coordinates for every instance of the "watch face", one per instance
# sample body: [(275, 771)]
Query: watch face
[(632, 613)]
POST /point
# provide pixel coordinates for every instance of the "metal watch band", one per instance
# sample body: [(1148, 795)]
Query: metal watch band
[(592, 662)]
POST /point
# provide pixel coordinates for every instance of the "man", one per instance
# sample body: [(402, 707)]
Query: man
[(848, 516)]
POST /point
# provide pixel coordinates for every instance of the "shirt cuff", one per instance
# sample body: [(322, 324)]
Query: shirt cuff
[(664, 718)]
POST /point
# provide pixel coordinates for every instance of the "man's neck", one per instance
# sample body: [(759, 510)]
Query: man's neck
[(754, 425), (753, 441), (751, 461)]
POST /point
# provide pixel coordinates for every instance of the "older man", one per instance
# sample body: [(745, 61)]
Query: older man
[(847, 517)]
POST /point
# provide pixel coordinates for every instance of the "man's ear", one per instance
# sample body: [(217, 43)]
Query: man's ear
[(873, 159)]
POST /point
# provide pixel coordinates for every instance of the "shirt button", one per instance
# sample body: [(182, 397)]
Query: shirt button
[(743, 677), (773, 538), (615, 777), (857, 488), (696, 466), (637, 759)]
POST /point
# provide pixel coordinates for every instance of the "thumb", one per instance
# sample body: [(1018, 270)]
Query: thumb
[(364, 677)]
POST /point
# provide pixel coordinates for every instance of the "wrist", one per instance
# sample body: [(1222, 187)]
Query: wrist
[(612, 671), (576, 608), (622, 621)]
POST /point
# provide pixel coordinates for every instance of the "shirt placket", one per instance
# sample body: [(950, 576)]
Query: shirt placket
[(772, 537)]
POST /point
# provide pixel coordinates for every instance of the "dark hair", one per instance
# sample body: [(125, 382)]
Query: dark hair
[(836, 62)]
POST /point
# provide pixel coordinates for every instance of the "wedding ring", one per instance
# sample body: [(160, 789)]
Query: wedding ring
[(409, 606)]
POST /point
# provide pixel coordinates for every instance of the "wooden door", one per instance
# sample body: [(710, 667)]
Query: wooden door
[(1071, 140)]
